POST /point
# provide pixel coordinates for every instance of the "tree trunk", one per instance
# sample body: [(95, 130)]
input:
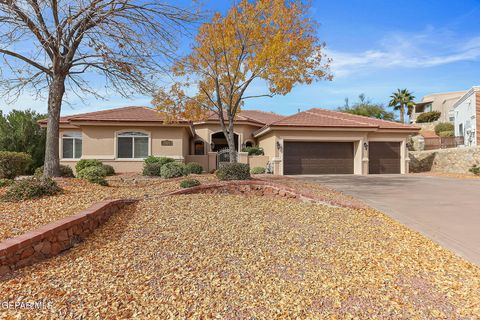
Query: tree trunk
[(231, 142), (55, 96), (402, 113)]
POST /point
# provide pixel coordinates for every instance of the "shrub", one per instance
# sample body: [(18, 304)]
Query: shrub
[(444, 134), (152, 169), (65, 171), (152, 165), (257, 170), (253, 151), (108, 169), (189, 183), (29, 188), (85, 163), (13, 164), (5, 182), (193, 167), (161, 160), (172, 170), (443, 126), (429, 116), (233, 171), (475, 170), (94, 174)]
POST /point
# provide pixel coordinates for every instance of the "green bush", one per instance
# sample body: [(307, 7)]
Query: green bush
[(233, 171), (257, 170), (443, 126), (173, 170), (253, 151), (475, 170), (445, 134), (152, 169), (5, 182), (85, 163), (30, 188), (429, 116), (94, 174), (161, 160), (108, 169), (193, 167), (65, 171), (152, 165), (13, 164), (189, 183)]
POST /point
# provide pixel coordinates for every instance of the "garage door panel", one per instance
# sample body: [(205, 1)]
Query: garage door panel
[(384, 157), (318, 158)]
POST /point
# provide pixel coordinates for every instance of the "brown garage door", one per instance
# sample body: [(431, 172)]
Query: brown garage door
[(318, 158), (384, 157)]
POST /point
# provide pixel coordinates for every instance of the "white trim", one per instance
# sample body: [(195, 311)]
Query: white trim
[(115, 147)]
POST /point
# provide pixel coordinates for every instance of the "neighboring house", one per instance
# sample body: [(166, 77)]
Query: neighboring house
[(442, 102), (316, 141), (467, 110)]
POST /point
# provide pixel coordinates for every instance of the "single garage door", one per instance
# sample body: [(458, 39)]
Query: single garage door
[(384, 157), (318, 157)]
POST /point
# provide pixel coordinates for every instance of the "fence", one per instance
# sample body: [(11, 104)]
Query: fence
[(443, 142)]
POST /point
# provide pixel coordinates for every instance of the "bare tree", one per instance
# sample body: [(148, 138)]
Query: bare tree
[(51, 45)]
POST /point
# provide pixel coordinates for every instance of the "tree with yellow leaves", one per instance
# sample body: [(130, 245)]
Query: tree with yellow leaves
[(271, 40)]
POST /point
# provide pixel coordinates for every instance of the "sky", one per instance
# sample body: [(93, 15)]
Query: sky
[(377, 46)]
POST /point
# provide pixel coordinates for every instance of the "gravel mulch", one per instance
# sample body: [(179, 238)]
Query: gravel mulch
[(233, 257), (17, 218), (323, 192)]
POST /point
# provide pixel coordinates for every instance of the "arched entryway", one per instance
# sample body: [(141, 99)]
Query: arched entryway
[(219, 141)]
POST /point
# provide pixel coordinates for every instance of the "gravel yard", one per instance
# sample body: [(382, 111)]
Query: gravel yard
[(234, 257), (17, 218)]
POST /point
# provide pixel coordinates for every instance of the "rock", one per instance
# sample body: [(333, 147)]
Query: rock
[(27, 253)]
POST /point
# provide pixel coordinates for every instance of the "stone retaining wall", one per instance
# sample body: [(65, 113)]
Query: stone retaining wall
[(260, 188), (454, 160), (55, 237)]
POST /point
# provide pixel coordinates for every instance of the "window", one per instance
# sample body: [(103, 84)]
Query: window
[(249, 144), (132, 145), (199, 148), (72, 145), (460, 129)]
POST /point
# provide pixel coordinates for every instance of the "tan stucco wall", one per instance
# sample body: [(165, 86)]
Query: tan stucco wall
[(268, 143), (100, 142)]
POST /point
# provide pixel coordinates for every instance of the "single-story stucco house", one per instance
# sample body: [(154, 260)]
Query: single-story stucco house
[(315, 141)]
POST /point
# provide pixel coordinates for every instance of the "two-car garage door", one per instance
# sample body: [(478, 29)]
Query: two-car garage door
[(338, 157)]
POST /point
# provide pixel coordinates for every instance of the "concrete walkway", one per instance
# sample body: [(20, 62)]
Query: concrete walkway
[(446, 210)]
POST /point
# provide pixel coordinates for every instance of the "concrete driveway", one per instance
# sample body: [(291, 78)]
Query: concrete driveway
[(446, 210)]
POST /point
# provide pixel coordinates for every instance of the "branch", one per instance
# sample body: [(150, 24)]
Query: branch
[(259, 96), (25, 59)]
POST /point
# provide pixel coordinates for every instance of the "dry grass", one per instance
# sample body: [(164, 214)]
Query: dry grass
[(233, 257)]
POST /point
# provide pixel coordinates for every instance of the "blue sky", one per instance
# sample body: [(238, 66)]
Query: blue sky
[(377, 46)]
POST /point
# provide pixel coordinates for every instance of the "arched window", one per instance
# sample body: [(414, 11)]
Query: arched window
[(72, 145), (248, 144), (132, 145), (199, 148)]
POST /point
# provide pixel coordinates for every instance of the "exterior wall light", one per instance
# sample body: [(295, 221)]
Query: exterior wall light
[(365, 146), (279, 146)]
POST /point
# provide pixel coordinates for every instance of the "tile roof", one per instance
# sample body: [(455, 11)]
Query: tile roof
[(327, 118), (260, 117), (127, 114)]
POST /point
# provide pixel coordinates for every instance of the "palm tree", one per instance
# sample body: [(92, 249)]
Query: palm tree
[(401, 99)]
